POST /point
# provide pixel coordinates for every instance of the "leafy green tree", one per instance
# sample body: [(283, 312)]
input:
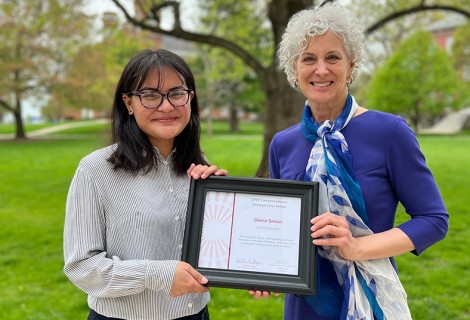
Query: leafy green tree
[(231, 80), (211, 86), (383, 41), (36, 38), (225, 81), (282, 102), (90, 79), (416, 81)]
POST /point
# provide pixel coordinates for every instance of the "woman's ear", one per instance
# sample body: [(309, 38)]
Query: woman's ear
[(126, 100), (352, 64), (127, 103), (296, 77)]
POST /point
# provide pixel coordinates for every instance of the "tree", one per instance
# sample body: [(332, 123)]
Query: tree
[(35, 40), (221, 81), (283, 104), (417, 80), (228, 72), (90, 79), (383, 41), (214, 85)]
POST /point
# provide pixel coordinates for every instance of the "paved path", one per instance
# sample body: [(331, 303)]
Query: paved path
[(450, 124), (51, 130)]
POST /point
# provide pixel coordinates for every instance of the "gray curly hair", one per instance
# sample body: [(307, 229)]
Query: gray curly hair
[(316, 21)]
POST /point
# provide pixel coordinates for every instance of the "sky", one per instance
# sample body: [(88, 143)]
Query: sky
[(187, 8), (98, 7)]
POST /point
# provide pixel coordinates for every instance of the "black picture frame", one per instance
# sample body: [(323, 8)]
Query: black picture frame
[(301, 283)]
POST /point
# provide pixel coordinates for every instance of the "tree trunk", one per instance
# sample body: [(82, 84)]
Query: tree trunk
[(234, 123), (283, 108), (20, 133)]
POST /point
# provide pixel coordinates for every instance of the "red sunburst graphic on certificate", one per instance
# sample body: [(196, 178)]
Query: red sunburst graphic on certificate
[(216, 230)]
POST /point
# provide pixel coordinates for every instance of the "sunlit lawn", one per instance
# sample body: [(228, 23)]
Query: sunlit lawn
[(34, 179)]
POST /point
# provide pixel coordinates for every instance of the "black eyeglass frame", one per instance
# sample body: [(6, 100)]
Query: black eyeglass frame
[(164, 96)]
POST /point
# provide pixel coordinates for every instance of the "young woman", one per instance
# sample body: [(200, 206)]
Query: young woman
[(127, 202)]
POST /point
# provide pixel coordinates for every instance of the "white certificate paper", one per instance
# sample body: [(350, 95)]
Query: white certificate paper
[(251, 232)]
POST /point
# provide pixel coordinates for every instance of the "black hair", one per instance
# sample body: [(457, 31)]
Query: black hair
[(134, 151)]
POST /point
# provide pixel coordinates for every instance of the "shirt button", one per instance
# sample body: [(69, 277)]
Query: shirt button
[(177, 218), (190, 305), (165, 162), (180, 246), (171, 190)]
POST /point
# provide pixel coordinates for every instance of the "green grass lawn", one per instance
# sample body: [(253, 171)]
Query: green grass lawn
[(34, 179)]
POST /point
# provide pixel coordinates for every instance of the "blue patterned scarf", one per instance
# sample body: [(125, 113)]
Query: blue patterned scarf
[(371, 288)]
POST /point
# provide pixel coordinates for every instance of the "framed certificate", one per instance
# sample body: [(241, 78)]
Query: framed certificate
[(252, 233)]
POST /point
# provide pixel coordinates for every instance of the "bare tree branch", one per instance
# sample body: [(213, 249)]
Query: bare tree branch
[(156, 8), (6, 106), (418, 8), (178, 32)]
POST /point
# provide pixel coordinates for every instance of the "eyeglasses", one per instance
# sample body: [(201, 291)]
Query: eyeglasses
[(152, 99)]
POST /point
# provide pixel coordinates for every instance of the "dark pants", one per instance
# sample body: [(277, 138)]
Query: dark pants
[(201, 315)]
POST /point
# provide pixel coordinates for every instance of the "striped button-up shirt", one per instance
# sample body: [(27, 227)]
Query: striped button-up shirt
[(123, 238)]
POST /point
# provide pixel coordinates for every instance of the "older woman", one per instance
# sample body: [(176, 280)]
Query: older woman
[(366, 162)]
